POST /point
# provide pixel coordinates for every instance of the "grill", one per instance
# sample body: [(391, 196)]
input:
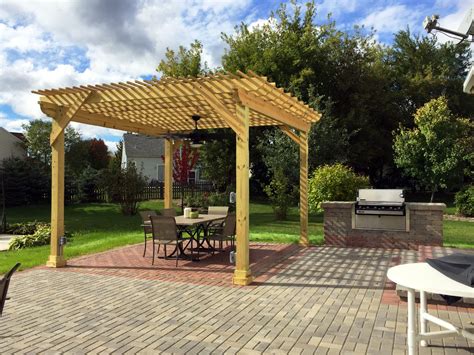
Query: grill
[(383, 202)]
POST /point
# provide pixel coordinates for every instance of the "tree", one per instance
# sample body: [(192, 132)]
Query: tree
[(340, 74), (217, 160), (184, 160), (422, 69), (434, 152), (187, 62), (116, 160), (38, 147), (98, 156)]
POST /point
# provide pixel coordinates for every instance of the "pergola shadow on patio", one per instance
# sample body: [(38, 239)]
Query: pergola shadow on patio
[(163, 107)]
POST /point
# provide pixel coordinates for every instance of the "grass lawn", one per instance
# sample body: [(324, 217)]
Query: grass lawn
[(99, 227)]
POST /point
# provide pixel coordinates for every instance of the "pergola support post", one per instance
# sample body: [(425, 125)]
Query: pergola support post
[(303, 144), (56, 257), (242, 273), (168, 174)]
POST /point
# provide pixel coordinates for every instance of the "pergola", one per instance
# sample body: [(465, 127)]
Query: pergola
[(163, 107)]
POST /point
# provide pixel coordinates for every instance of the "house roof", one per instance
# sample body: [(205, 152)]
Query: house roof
[(158, 107), (19, 135), (141, 146)]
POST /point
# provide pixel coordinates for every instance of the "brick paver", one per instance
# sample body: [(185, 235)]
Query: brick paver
[(323, 300)]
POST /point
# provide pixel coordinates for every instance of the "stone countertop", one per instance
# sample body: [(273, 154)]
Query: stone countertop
[(412, 205)]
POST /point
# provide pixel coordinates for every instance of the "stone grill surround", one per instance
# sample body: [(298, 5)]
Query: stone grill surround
[(425, 227)]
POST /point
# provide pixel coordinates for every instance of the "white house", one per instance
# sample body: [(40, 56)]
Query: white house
[(11, 145), (147, 155)]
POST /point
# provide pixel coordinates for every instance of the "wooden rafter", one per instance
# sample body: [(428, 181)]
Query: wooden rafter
[(166, 105)]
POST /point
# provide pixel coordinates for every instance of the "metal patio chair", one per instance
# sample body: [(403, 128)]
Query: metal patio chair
[(4, 283), (145, 215), (170, 212), (227, 234), (216, 227), (165, 232)]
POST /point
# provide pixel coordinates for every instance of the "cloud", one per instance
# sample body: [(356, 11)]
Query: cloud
[(453, 20), (391, 19), (47, 44), (12, 125)]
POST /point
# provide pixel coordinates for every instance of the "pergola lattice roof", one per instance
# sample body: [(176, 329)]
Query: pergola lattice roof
[(164, 106)]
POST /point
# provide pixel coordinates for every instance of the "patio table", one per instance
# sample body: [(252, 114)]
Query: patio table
[(194, 226), (422, 277)]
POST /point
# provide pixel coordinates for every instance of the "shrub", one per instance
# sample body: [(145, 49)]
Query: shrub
[(36, 234), (281, 194), (218, 199), (126, 186), (334, 183), (464, 201), (24, 228)]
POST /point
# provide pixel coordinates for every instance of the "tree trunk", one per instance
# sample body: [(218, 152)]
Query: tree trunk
[(432, 195)]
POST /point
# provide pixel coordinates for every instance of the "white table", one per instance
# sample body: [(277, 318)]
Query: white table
[(424, 278)]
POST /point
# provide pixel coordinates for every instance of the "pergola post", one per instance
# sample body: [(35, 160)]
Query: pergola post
[(303, 144), (242, 274), (56, 257), (168, 173)]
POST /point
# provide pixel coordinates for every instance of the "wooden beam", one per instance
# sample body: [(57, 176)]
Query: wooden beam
[(168, 173), (220, 108), (304, 240), (242, 273), (56, 257), (295, 138), (70, 112), (266, 108), (102, 120)]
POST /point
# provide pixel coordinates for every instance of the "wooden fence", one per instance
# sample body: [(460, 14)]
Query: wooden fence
[(155, 192)]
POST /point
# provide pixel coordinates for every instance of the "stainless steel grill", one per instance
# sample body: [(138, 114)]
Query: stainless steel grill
[(381, 202)]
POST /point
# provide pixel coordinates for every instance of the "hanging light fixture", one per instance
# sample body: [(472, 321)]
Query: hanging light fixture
[(196, 139)]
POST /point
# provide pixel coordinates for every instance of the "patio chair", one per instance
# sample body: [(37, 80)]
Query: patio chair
[(227, 234), (216, 226), (170, 212), (166, 233), (4, 283), (146, 225)]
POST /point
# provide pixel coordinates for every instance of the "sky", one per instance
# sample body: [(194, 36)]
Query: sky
[(58, 43)]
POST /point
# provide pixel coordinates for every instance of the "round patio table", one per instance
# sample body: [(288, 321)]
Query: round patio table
[(424, 278)]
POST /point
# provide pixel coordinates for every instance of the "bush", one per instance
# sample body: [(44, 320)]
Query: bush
[(334, 183), (281, 194), (24, 228), (36, 234), (126, 186), (464, 201)]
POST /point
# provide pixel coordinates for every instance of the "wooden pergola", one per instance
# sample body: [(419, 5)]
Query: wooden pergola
[(163, 107)]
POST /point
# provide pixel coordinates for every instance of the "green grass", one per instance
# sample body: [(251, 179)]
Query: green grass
[(99, 227)]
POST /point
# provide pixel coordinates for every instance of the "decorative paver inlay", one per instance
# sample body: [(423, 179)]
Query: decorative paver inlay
[(327, 301), (266, 260)]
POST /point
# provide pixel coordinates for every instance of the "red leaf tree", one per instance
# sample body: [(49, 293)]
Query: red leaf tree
[(184, 160)]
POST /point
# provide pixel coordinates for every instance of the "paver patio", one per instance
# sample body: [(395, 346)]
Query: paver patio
[(316, 300)]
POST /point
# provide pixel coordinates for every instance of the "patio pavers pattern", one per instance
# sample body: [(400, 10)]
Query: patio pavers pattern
[(266, 260), (326, 301)]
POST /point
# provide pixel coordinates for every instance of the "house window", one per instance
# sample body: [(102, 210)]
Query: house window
[(160, 175), (192, 177)]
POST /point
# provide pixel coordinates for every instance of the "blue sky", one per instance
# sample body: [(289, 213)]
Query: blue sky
[(47, 44)]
